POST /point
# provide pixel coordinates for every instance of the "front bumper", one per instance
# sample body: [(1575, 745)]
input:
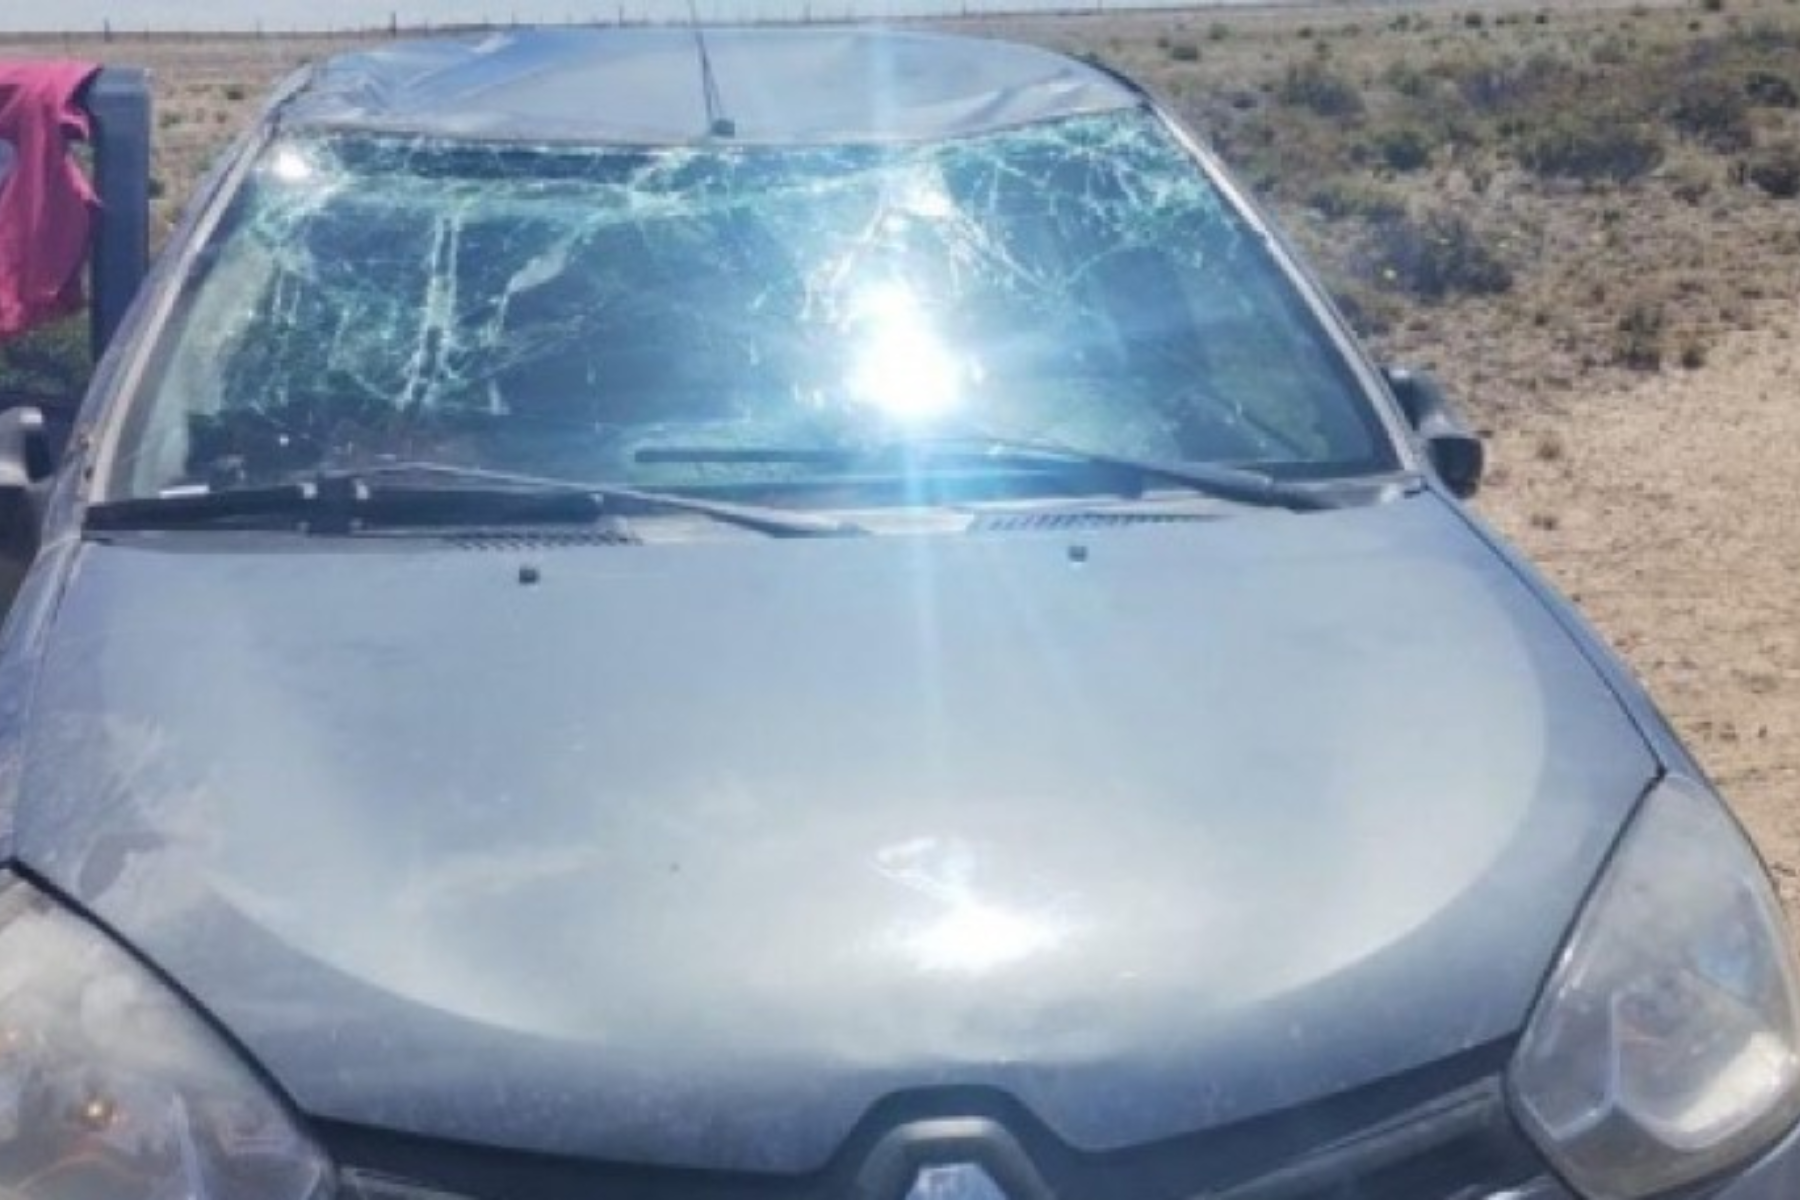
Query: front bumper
[(1774, 1176)]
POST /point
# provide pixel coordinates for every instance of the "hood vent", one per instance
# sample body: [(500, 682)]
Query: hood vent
[(1066, 522), (538, 539)]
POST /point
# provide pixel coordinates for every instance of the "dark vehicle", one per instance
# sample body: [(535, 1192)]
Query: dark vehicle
[(819, 614)]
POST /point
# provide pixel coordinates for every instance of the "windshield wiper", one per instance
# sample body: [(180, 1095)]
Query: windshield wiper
[(1234, 484), (341, 502)]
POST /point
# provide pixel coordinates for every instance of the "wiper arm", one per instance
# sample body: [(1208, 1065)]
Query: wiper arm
[(339, 502), (1234, 484), (776, 522)]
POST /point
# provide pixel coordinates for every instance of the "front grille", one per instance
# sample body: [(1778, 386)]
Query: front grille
[(1464, 1148), (1406, 1138)]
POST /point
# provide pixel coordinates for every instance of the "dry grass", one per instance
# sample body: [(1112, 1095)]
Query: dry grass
[(1530, 199)]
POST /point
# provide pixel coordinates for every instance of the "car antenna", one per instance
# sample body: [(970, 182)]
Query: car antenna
[(717, 123)]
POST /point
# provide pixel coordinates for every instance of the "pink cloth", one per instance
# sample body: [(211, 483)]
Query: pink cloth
[(47, 206)]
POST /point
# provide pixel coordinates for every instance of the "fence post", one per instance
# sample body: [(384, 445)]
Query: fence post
[(119, 101)]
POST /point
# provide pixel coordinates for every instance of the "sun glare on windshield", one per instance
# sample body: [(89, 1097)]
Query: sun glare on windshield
[(901, 366), (289, 165)]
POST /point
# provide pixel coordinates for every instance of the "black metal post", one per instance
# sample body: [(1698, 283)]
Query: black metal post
[(119, 101)]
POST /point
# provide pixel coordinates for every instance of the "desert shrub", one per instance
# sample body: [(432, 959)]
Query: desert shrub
[(1713, 6), (1340, 196), (1498, 85), (1218, 31), (1401, 148), (1770, 90), (1776, 170), (1612, 51), (1768, 36), (1434, 256), (1316, 86), (1185, 52), (1591, 145), (1639, 337), (51, 361), (1691, 183), (1370, 312), (1406, 79), (1712, 110)]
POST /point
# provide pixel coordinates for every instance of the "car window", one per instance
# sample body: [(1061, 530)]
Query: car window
[(559, 309)]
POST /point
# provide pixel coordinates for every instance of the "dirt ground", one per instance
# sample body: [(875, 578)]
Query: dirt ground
[(1670, 510)]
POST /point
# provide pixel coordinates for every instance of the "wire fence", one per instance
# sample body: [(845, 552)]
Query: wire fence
[(175, 20)]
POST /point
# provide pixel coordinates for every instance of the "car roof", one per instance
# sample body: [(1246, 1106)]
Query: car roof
[(647, 86)]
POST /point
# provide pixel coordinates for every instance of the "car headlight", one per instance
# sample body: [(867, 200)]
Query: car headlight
[(1666, 1046), (111, 1088)]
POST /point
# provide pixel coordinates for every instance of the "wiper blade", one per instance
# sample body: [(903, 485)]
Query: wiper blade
[(340, 502), (337, 506), (1234, 484), (618, 498)]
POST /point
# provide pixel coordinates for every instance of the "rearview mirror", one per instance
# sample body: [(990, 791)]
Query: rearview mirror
[(1456, 452)]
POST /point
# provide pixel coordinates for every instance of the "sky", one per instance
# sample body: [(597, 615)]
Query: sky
[(284, 15)]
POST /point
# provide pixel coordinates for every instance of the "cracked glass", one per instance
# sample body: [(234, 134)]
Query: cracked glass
[(561, 310)]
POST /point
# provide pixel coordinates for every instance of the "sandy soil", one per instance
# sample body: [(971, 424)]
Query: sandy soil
[(1670, 510)]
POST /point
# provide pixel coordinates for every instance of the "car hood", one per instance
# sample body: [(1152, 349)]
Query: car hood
[(690, 854)]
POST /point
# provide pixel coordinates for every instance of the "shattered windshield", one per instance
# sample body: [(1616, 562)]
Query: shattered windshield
[(571, 311)]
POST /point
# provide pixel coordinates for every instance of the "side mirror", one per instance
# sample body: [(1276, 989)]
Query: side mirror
[(1456, 453), (25, 463)]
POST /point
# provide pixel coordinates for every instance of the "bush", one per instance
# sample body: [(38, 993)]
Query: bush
[(1434, 257), (1591, 146), (1371, 313), (1770, 90), (1776, 170), (1407, 79), (1691, 183), (1315, 86), (53, 361), (1713, 111), (1341, 196), (1402, 148), (1502, 86), (1638, 343), (1185, 52)]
